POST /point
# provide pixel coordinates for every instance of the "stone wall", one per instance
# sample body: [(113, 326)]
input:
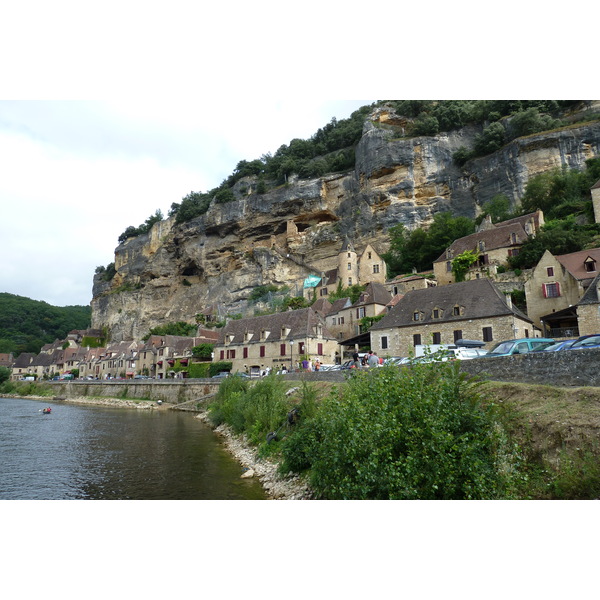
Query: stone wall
[(173, 392), (567, 368)]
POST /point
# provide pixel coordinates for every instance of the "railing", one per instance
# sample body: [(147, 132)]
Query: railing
[(563, 332)]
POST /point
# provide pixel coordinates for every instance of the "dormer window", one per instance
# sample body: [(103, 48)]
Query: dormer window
[(437, 313), (481, 245), (457, 310), (229, 338), (513, 238), (589, 264), (448, 253), (248, 336), (264, 334), (417, 316), (285, 331)]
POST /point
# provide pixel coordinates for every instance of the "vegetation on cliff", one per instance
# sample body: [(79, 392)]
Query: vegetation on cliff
[(331, 148), (562, 194), (26, 325)]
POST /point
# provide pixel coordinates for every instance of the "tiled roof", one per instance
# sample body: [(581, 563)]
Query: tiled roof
[(499, 237), (24, 360), (574, 263), (374, 293), (596, 185), (479, 298), (300, 322), (591, 295), (339, 304), (322, 305)]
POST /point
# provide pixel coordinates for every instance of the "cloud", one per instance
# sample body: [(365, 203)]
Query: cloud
[(76, 174)]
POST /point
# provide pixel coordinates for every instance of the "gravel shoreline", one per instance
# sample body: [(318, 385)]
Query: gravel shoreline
[(276, 486)]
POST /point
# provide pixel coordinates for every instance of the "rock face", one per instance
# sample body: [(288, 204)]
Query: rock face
[(279, 237)]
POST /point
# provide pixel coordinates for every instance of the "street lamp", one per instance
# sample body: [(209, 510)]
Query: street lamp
[(292, 355)]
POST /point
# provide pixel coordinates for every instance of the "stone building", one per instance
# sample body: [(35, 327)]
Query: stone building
[(494, 243), (273, 341), (474, 310), (406, 283), (588, 309), (557, 283), (351, 269)]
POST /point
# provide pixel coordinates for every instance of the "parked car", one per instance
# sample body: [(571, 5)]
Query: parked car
[(586, 341), (468, 353), (564, 345), (518, 346), (221, 375)]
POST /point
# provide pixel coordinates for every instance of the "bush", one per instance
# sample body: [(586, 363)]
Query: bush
[(419, 433), (198, 370), (217, 367), (4, 374), (256, 410)]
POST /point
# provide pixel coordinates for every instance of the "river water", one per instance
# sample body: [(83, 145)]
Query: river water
[(103, 453)]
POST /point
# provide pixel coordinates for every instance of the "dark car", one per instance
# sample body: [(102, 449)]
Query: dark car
[(564, 345), (586, 341)]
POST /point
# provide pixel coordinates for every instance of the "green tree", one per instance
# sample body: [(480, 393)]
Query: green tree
[(492, 139), (4, 374), (203, 350)]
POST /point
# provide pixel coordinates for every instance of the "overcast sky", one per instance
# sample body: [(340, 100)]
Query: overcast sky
[(76, 174), (110, 112)]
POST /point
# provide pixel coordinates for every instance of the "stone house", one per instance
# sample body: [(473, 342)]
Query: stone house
[(494, 243), (340, 319), (474, 310), (588, 309), (351, 269), (557, 283), (23, 366), (406, 283), (6, 360), (273, 341)]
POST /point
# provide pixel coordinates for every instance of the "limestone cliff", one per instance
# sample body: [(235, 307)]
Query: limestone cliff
[(278, 237)]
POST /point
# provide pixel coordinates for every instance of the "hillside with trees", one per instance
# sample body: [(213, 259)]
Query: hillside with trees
[(26, 325), (332, 148)]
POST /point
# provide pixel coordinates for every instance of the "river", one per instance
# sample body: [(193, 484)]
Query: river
[(103, 453)]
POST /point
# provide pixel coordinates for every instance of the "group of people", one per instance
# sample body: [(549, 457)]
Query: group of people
[(367, 361), (307, 365)]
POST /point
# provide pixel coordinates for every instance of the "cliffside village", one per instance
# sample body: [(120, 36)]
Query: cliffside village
[(562, 295)]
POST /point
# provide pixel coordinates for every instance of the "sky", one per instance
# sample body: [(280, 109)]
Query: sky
[(76, 174)]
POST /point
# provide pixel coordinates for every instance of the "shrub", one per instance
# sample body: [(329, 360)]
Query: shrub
[(419, 433)]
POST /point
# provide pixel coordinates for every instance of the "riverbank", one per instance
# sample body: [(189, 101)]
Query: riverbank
[(277, 487)]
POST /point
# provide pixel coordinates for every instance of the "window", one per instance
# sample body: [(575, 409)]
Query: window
[(417, 339), (551, 290), (436, 313), (262, 352), (513, 252), (324, 292), (416, 316), (513, 238), (348, 254), (222, 354), (481, 246), (245, 353), (320, 349), (360, 312), (437, 337), (487, 334), (384, 342), (456, 311), (457, 335), (301, 347), (349, 266), (340, 320), (448, 266), (369, 255), (550, 271), (590, 265), (349, 280), (282, 349), (230, 353), (375, 268)]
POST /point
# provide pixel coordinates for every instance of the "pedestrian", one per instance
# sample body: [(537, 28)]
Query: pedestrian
[(373, 359)]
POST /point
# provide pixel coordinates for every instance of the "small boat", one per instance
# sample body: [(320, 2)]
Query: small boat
[(47, 411)]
